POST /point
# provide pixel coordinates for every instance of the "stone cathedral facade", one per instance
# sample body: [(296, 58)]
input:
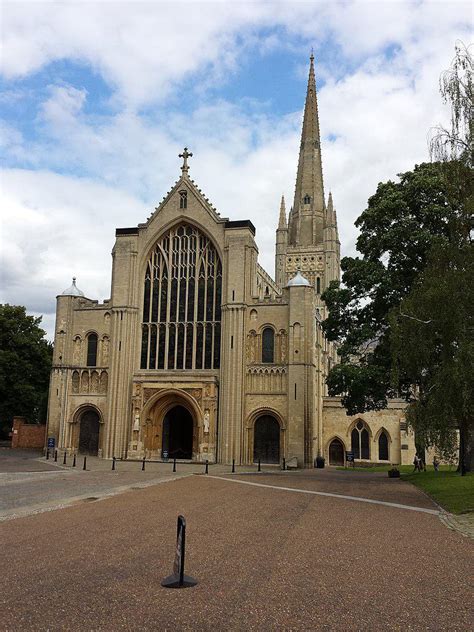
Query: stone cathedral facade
[(199, 354)]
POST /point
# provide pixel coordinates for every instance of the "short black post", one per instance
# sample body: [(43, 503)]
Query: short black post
[(84, 466), (64, 457), (113, 463), (74, 460), (178, 579), (47, 454), (284, 463), (174, 464), (233, 466), (259, 466), (55, 456), (143, 464), (207, 467)]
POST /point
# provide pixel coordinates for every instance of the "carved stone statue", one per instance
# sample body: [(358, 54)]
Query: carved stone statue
[(136, 423), (206, 422)]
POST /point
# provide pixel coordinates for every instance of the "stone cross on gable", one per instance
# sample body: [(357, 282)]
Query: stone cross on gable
[(185, 155)]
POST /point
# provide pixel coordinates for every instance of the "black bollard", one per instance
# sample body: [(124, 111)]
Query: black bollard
[(174, 464), (84, 466), (233, 466), (207, 467), (113, 463), (259, 467), (143, 464), (64, 457), (284, 463), (47, 454), (74, 460), (55, 456)]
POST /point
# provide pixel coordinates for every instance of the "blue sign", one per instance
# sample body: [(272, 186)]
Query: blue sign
[(51, 442), (165, 455), (350, 457)]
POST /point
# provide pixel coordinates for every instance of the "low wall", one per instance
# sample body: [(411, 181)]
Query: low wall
[(27, 435)]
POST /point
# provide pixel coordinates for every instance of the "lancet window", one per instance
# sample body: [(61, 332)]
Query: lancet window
[(181, 326), (268, 345), (92, 350)]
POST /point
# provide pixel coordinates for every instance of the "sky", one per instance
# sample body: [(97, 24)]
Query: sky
[(98, 99)]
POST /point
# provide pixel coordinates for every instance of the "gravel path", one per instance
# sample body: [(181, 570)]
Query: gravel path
[(265, 559)]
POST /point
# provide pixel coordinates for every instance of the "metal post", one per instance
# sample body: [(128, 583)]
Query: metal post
[(174, 464), (207, 467), (143, 464), (47, 454), (64, 457), (74, 460), (84, 466), (55, 456), (284, 463), (113, 463), (259, 467), (233, 466)]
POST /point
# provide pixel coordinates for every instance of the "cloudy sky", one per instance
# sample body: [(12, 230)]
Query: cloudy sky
[(97, 100)]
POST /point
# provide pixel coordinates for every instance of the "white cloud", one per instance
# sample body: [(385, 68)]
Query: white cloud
[(378, 109)]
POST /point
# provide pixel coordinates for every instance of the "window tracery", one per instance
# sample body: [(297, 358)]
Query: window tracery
[(181, 326), (360, 441)]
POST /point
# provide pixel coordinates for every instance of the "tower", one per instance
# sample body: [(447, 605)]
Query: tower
[(309, 242)]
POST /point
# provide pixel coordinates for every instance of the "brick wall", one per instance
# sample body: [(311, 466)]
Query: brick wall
[(27, 435)]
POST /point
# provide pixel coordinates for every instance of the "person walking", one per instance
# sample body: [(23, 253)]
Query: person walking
[(436, 464)]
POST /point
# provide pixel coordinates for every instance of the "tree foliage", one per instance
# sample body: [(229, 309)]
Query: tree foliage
[(405, 307), (401, 224), (25, 364)]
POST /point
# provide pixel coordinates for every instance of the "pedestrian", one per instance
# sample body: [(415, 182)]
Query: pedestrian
[(436, 464), (416, 463)]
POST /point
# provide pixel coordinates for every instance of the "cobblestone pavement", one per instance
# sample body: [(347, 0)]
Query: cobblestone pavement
[(265, 559)]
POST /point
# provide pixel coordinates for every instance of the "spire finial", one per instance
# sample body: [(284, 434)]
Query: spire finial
[(311, 57), (282, 220), (185, 155)]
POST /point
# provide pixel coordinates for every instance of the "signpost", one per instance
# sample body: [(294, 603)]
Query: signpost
[(51, 443), (178, 579), (350, 458)]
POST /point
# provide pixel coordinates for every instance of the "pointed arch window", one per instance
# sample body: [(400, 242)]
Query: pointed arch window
[(383, 446), (307, 199), (183, 199), (268, 345), (182, 303), (92, 350), (360, 444), (318, 285)]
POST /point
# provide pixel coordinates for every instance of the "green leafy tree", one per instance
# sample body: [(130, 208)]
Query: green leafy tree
[(433, 347), (25, 365), (402, 222)]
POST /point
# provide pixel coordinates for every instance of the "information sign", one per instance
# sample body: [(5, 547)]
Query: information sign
[(51, 442)]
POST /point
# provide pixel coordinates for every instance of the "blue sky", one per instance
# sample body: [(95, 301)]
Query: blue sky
[(98, 99)]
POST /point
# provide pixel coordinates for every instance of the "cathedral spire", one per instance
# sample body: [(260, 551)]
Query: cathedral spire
[(282, 222), (309, 191)]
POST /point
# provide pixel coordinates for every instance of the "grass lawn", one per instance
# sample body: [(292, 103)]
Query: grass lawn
[(453, 492)]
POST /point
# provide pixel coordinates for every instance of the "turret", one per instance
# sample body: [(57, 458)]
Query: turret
[(281, 245)]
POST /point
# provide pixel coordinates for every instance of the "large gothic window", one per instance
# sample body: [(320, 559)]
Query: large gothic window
[(181, 326)]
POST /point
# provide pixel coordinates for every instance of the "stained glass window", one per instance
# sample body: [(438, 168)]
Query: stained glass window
[(182, 303)]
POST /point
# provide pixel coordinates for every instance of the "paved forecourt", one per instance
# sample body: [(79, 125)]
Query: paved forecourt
[(265, 559)]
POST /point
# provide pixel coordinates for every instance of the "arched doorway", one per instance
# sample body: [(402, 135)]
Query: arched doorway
[(178, 433), (336, 452), (266, 442), (89, 426)]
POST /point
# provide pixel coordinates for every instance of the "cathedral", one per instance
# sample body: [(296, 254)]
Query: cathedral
[(199, 354)]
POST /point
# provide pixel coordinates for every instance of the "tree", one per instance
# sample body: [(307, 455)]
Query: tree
[(407, 302), (25, 365), (402, 222), (432, 344)]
